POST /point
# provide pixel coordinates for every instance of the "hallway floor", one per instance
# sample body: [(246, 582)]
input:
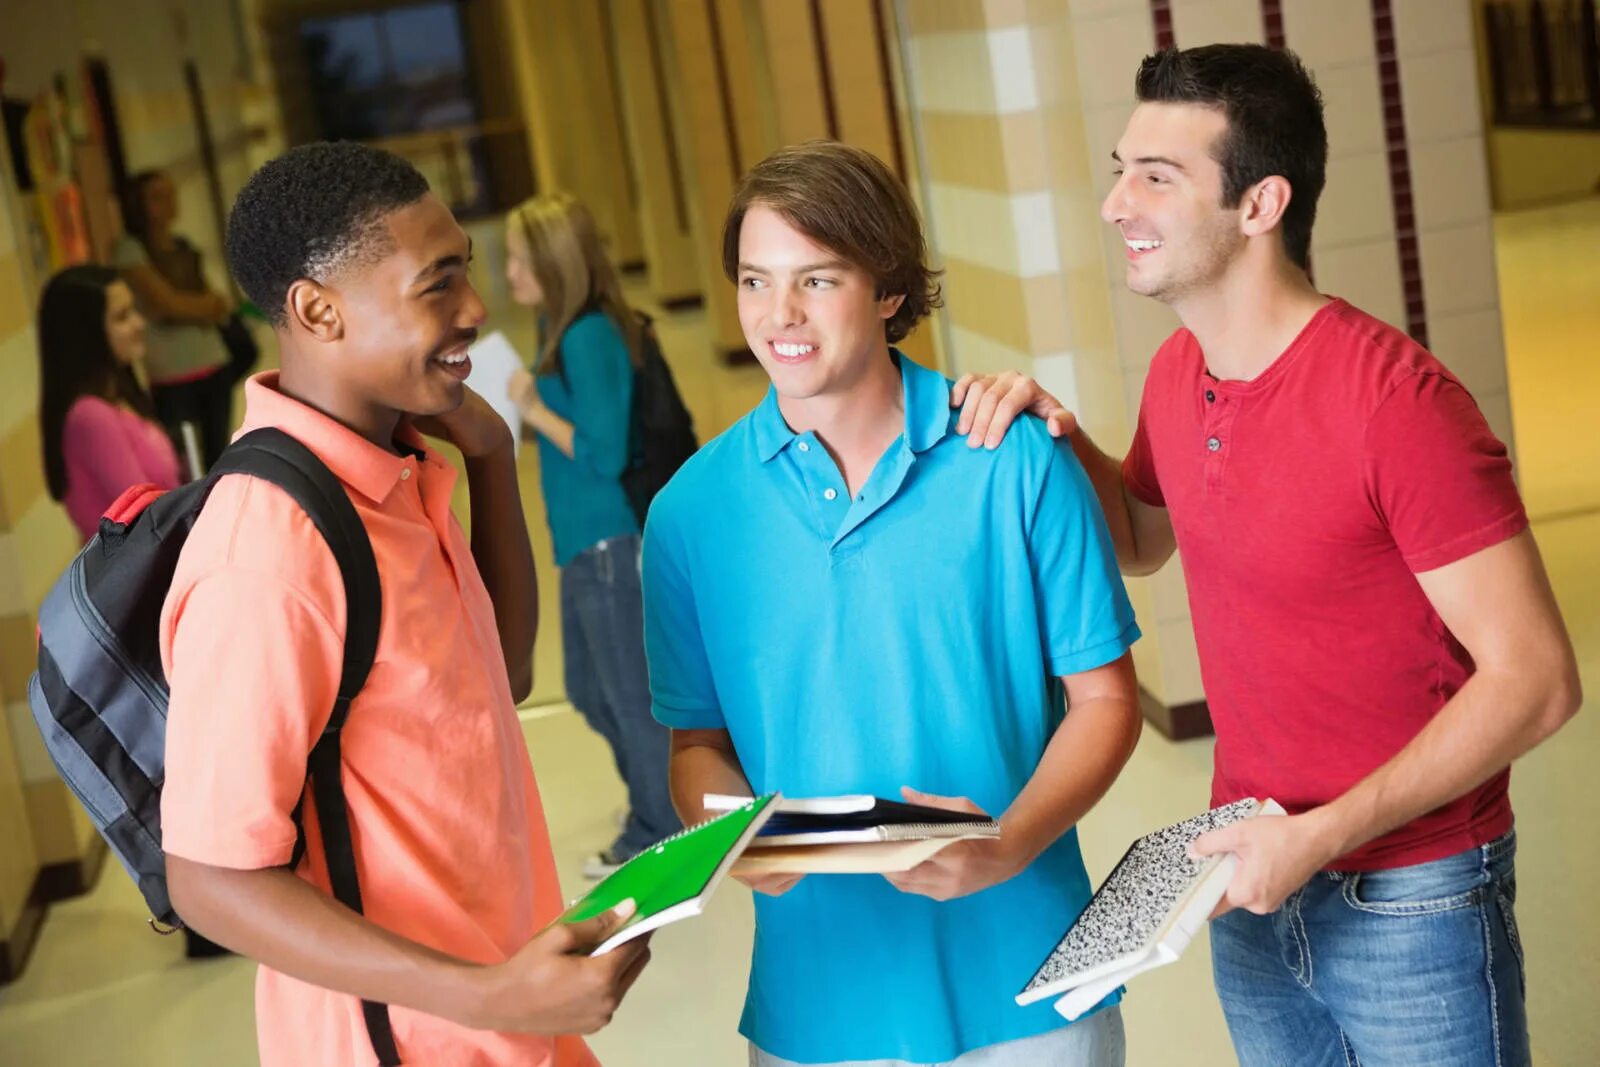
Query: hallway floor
[(102, 990)]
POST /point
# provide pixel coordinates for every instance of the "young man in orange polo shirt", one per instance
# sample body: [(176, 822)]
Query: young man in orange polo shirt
[(364, 275)]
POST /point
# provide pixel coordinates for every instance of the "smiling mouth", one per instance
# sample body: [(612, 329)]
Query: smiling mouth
[(791, 351), (1142, 247)]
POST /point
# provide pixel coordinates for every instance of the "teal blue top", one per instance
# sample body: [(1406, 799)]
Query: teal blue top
[(911, 636), (594, 391)]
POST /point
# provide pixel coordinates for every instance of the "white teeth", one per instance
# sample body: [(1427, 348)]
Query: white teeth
[(454, 361), (790, 351), (1143, 246)]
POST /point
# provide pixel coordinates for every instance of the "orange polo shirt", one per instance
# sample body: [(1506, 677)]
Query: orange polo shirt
[(450, 838)]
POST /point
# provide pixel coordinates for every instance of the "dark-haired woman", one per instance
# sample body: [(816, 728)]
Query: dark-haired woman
[(188, 359), (100, 433)]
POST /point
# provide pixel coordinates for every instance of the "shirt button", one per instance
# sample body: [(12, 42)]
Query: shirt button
[(1213, 443), (405, 472), (1210, 396), (829, 494), (804, 447)]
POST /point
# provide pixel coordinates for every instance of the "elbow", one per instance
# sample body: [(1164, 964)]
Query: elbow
[(1563, 701), (521, 683)]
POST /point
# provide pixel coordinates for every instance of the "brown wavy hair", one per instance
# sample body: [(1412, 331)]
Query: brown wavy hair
[(849, 202)]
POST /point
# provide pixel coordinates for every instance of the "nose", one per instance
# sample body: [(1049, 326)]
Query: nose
[(473, 309), (1114, 208), (787, 308)]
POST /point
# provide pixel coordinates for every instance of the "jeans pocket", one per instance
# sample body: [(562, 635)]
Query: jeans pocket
[(1424, 889), (1506, 899)]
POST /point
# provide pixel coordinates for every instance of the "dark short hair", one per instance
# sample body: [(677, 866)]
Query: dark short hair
[(1275, 127), (311, 212), (850, 202)]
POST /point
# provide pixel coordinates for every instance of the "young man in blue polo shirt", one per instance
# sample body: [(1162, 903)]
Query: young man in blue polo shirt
[(841, 597)]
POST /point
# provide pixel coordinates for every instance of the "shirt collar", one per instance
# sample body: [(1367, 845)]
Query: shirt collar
[(357, 462), (925, 394)]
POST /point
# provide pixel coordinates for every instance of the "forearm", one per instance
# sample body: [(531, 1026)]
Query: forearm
[(1088, 751), (552, 427), (505, 559), (1105, 475), (698, 769), (274, 917), (1491, 721)]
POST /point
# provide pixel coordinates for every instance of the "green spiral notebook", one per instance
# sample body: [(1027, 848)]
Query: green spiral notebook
[(674, 879)]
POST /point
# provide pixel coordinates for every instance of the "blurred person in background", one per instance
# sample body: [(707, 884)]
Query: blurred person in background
[(99, 427), (578, 400), (188, 363)]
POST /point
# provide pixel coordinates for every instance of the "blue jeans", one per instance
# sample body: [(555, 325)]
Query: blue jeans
[(602, 632), (1414, 966)]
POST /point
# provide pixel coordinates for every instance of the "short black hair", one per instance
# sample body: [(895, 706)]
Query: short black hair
[(1275, 127), (313, 211)]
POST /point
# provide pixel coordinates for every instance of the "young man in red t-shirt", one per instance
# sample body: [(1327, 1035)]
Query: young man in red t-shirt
[(1377, 636)]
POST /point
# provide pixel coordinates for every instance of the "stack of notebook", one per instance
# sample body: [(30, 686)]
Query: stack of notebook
[(851, 835)]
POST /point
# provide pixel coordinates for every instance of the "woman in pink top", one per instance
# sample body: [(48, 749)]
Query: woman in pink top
[(99, 428)]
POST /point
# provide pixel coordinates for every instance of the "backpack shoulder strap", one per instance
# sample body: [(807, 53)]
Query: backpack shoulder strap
[(274, 456), (277, 457)]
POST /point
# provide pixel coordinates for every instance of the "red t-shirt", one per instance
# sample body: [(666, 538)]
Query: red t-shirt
[(1304, 502)]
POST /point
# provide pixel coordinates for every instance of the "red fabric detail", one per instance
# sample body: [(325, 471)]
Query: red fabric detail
[(131, 504)]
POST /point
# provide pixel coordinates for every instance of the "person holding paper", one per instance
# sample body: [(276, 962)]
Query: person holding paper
[(841, 598), (1377, 636), (579, 401)]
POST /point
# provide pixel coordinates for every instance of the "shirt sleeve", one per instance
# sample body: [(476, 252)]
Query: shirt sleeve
[(599, 375), (1139, 467), (1084, 610), (1437, 475), (682, 693), (97, 448), (253, 667)]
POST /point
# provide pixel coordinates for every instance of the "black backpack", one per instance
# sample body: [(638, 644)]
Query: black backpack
[(100, 694)]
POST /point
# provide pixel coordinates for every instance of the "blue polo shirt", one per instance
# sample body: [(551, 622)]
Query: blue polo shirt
[(583, 498), (911, 636)]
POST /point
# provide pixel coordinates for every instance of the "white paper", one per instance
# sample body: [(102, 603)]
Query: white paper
[(494, 361)]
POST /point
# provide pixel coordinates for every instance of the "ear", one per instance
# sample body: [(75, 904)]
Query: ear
[(314, 308), (888, 305), (1264, 205)]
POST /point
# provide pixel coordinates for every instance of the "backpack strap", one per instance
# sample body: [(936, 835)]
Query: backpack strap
[(275, 456)]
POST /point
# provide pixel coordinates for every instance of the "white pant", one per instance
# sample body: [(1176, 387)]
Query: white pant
[(1097, 1041)]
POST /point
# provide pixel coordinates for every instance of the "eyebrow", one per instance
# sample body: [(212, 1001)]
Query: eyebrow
[(444, 263), (827, 264), (1162, 160)]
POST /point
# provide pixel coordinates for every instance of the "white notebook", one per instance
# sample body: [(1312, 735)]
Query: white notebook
[(1144, 915)]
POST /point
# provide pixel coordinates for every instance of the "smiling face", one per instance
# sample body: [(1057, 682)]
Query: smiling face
[(814, 320), (1168, 201), (404, 321), (124, 325)]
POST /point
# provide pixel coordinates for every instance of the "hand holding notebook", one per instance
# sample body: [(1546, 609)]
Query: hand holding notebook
[(1144, 915), (675, 878)]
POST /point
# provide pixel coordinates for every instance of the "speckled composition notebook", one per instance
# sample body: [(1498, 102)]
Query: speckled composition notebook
[(1151, 905)]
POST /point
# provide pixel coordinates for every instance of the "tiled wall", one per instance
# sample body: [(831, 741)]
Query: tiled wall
[(40, 822), (19, 859), (1017, 106)]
